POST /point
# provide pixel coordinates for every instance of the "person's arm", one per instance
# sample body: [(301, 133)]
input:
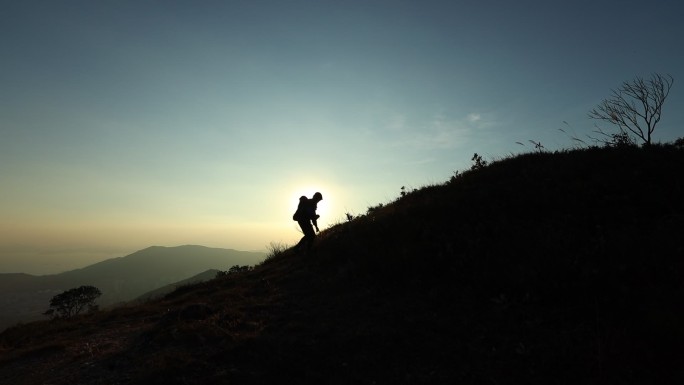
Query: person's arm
[(315, 223), (311, 213)]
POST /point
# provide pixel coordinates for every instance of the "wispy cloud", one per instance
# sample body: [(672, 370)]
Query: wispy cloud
[(438, 132), (474, 117)]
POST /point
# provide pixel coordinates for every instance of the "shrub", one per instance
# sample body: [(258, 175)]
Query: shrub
[(234, 270), (478, 162), (679, 143), (73, 301)]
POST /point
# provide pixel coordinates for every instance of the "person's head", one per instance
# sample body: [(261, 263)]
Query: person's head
[(318, 197)]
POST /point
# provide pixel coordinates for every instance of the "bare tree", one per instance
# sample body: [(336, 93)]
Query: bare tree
[(635, 107)]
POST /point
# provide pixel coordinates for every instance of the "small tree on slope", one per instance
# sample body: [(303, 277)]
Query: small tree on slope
[(72, 301)]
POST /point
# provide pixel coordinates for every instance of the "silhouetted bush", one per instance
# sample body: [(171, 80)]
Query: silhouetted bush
[(275, 249), (234, 270), (73, 301), (478, 162), (374, 209), (679, 143)]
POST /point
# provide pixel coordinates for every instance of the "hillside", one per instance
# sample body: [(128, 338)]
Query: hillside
[(544, 268), (162, 291), (25, 297)]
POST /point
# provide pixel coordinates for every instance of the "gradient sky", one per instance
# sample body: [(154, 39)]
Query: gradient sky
[(127, 124)]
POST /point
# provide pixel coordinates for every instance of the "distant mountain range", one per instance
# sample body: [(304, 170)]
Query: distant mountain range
[(25, 297)]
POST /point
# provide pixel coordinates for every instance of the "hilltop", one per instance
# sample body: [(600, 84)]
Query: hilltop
[(541, 268)]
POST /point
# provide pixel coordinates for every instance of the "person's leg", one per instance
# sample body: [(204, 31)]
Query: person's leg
[(300, 243), (310, 239), (309, 235)]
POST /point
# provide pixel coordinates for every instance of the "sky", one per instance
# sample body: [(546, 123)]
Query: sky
[(126, 124)]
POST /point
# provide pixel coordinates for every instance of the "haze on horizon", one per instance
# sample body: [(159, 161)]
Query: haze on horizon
[(129, 124)]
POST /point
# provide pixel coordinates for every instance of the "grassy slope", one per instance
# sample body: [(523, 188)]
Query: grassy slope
[(542, 268)]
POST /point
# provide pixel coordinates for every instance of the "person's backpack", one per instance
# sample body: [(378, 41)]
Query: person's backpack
[(299, 214)]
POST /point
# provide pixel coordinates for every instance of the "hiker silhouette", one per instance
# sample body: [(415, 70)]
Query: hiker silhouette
[(307, 218)]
